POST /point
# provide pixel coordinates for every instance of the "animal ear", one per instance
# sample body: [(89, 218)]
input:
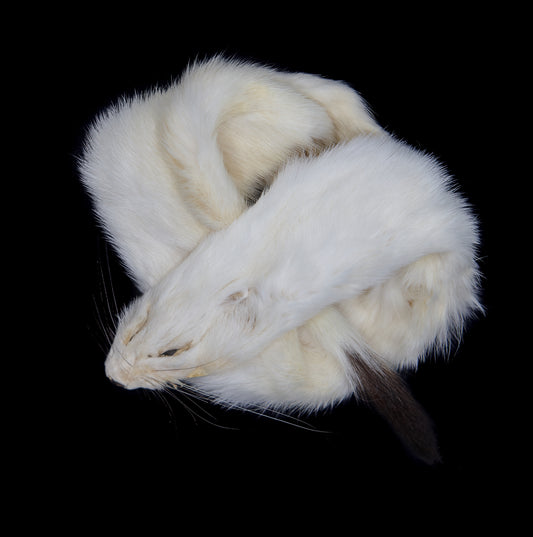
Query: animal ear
[(239, 296), (244, 305)]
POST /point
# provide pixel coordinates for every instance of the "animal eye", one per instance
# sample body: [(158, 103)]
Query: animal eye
[(170, 352), (174, 352), (135, 331)]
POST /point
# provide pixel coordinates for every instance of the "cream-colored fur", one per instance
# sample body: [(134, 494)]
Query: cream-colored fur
[(162, 161), (169, 168)]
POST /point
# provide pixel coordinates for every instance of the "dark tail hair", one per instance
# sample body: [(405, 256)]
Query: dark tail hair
[(388, 393)]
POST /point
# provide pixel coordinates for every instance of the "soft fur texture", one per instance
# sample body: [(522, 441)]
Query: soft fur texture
[(358, 258), (162, 160)]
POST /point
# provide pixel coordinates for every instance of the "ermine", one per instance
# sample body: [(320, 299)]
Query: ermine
[(357, 258)]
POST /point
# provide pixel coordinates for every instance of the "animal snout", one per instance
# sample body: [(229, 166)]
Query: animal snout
[(116, 382), (115, 371)]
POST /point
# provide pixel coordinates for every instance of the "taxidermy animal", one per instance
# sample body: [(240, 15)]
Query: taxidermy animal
[(289, 252)]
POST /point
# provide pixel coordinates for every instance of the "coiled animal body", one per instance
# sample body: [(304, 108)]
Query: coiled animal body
[(290, 253)]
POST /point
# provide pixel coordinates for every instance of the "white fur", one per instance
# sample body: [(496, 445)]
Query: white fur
[(166, 168), (364, 246), (148, 163)]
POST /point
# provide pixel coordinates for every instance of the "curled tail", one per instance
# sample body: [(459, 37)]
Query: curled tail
[(388, 393)]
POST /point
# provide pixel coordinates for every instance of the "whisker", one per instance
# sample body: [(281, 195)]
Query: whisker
[(113, 295), (194, 393), (124, 358), (104, 330), (198, 394), (99, 338), (160, 396), (106, 310), (175, 396), (273, 414), (190, 398), (164, 400), (195, 414), (173, 389), (105, 294), (183, 368), (258, 410)]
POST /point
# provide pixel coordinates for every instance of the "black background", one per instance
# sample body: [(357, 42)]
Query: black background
[(433, 79)]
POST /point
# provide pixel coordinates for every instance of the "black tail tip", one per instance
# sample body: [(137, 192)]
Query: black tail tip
[(427, 454), (388, 393)]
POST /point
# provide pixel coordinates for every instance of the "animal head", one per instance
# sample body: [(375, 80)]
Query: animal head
[(180, 329)]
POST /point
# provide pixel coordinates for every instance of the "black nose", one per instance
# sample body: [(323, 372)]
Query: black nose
[(116, 383)]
